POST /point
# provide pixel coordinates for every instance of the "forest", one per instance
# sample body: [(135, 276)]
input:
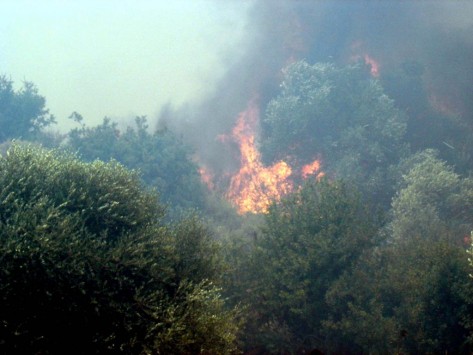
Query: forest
[(369, 257), (332, 214)]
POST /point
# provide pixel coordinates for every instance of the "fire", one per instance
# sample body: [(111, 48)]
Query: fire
[(311, 169), (358, 52), (255, 186), (374, 65)]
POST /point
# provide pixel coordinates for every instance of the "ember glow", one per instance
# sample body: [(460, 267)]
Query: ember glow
[(254, 186)]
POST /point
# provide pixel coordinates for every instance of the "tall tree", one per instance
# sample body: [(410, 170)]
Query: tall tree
[(412, 293), (432, 200)]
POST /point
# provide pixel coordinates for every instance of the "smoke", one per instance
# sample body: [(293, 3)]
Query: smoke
[(438, 35)]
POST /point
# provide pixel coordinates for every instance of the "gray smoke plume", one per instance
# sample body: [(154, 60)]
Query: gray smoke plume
[(438, 35)]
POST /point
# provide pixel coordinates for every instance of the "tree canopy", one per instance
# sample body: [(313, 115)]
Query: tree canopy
[(309, 241), (341, 115), (161, 158), (86, 266), (370, 258)]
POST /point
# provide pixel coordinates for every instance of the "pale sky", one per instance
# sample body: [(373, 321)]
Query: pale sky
[(118, 58)]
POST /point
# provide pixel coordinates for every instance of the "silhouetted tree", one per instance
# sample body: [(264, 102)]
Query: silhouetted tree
[(22, 113)]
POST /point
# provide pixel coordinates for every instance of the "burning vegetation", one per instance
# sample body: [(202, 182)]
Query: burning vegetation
[(372, 259), (254, 186)]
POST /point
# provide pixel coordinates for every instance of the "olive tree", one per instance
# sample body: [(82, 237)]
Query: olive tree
[(87, 266)]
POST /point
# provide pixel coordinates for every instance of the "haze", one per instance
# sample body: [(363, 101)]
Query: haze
[(117, 58)]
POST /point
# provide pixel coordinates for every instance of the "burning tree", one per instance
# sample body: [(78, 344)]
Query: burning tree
[(255, 186), (341, 114)]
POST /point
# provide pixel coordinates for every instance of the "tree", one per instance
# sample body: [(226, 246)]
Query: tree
[(341, 115), (22, 113), (87, 265), (412, 294), (309, 241), (432, 200), (162, 159)]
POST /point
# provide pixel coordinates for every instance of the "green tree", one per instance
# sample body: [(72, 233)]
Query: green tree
[(162, 159), (309, 241), (342, 116), (22, 113), (412, 294), (431, 220), (432, 200), (87, 266)]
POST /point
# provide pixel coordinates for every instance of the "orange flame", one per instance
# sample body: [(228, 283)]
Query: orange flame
[(310, 169), (255, 186)]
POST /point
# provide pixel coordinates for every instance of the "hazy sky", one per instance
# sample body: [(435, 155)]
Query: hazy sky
[(118, 58)]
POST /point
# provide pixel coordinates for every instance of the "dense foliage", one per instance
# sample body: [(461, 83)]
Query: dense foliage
[(161, 158), (310, 240), (341, 115), (87, 267), (412, 293)]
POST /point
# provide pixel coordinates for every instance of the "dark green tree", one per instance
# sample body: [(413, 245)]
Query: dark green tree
[(87, 266), (309, 241), (412, 294), (341, 115), (162, 159), (22, 113)]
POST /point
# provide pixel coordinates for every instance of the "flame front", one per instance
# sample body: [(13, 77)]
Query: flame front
[(255, 186)]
